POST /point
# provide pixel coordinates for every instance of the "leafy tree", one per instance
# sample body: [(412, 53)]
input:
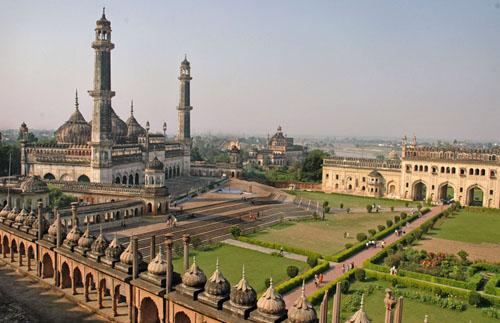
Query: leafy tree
[(312, 167), (359, 274), (369, 208), (7, 150), (312, 261), (59, 199), (361, 236), (235, 231)]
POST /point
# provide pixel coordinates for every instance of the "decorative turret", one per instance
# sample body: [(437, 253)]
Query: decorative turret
[(194, 276), (158, 266), (134, 129), (85, 242), (112, 252), (360, 316), (72, 237), (270, 306), (243, 298), (302, 311), (217, 289), (98, 247), (13, 213)]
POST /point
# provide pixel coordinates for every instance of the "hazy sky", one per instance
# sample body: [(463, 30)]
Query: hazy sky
[(381, 68)]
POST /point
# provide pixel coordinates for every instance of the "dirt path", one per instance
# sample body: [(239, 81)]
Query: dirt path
[(24, 299), (357, 259), (482, 251)]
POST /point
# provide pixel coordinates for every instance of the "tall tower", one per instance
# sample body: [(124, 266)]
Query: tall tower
[(184, 107), (101, 140)]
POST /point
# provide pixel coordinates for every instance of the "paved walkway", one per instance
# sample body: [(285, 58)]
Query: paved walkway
[(357, 259), (246, 245)]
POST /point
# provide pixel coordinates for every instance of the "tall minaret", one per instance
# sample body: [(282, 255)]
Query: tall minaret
[(184, 107), (101, 140)]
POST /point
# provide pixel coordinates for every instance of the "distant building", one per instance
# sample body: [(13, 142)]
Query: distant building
[(468, 176), (280, 151)]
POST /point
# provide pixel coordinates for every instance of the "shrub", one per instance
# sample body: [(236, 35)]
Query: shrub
[(267, 282), (292, 271), (344, 287), (312, 261), (392, 208), (196, 242), (380, 227), (475, 299), (369, 208), (407, 204), (389, 223), (404, 215), (397, 218), (372, 232), (361, 236), (341, 205), (348, 245), (359, 274), (348, 210), (235, 231), (419, 206)]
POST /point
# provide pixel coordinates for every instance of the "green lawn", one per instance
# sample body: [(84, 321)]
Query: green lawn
[(471, 225), (324, 237), (349, 201), (413, 311), (258, 266)]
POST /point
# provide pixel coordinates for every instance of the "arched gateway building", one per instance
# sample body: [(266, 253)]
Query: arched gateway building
[(423, 173), (107, 149)]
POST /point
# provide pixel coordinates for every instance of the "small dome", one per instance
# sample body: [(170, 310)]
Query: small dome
[(118, 128), (86, 239), (74, 235), (100, 244), (21, 216), (114, 250), (34, 185), (185, 62), (127, 257), (5, 211), (13, 214), (271, 302), (194, 276), (302, 311), (30, 219), (155, 164), (243, 294), (374, 173), (158, 266), (45, 224), (53, 229), (134, 129), (217, 285), (76, 130)]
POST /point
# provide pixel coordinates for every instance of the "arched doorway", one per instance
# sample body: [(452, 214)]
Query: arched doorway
[(150, 208), (5, 246), (49, 177), (124, 179), (475, 196), (446, 192), (131, 179), (419, 191), (149, 311), (65, 276), (77, 280), (84, 179), (117, 180), (136, 179), (181, 317), (48, 267)]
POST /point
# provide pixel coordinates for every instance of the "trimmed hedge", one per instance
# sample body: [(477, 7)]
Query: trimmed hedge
[(278, 246), (471, 284), (491, 285), (317, 297), (297, 280), (344, 254)]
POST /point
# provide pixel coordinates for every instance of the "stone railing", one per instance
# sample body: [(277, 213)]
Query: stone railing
[(362, 162)]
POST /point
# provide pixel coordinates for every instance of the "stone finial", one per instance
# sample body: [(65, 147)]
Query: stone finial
[(76, 99), (132, 107)]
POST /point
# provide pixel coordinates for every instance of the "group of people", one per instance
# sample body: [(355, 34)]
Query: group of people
[(171, 221), (318, 279), (347, 267), (254, 216), (399, 232), (376, 244)]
